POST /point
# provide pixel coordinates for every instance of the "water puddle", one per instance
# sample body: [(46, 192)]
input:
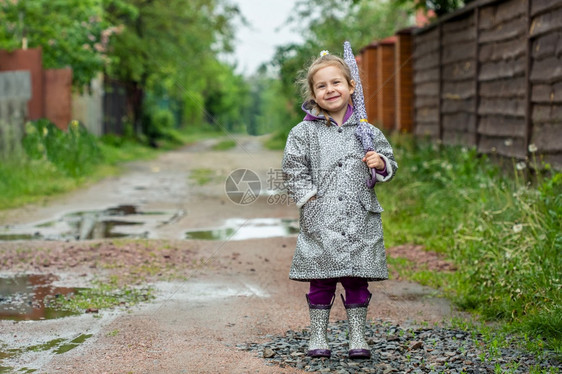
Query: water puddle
[(243, 229), (200, 291), (56, 346), (26, 297), (123, 221)]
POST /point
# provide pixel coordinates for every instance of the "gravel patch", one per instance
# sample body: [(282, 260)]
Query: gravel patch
[(395, 349)]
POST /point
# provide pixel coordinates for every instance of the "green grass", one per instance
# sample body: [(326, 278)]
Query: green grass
[(224, 145), (24, 181), (54, 162), (202, 176), (103, 295), (502, 229)]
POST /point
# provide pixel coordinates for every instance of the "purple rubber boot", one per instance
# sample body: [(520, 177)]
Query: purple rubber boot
[(319, 316), (357, 317)]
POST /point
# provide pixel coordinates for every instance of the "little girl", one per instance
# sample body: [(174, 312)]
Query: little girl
[(341, 238)]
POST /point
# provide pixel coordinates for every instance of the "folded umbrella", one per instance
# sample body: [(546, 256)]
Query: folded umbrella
[(364, 132)]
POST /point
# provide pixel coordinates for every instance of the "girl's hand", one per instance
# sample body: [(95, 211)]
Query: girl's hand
[(373, 160)]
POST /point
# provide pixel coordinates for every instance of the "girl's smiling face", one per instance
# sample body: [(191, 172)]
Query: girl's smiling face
[(331, 91)]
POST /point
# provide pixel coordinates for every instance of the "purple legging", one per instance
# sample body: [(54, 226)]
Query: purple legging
[(322, 290)]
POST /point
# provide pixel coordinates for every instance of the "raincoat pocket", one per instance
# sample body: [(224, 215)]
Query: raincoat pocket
[(369, 202), (311, 216)]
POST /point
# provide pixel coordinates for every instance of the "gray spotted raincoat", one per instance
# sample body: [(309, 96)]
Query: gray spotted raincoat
[(341, 230)]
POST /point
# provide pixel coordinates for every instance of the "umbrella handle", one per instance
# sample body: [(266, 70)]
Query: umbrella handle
[(372, 180)]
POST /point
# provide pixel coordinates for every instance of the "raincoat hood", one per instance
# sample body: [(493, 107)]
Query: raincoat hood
[(313, 114)]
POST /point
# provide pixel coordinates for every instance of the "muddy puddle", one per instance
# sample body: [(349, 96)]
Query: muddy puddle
[(55, 346), (243, 229), (123, 221), (26, 297)]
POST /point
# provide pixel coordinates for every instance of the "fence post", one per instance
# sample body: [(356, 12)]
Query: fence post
[(476, 75), (369, 72), (15, 92), (58, 96), (30, 60), (404, 84), (528, 84), (386, 80), (440, 83)]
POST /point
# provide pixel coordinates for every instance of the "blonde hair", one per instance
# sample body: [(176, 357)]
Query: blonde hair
[(307, 82)]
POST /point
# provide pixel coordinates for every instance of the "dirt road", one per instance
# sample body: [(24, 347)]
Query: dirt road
[(238, 292)]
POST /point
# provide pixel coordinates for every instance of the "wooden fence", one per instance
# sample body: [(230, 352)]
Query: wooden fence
[(490, 76), (15, 92)]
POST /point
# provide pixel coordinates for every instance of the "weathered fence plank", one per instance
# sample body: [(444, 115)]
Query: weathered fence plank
[(467, 34), (546, 22), (500, 125), (546, 93), (504, 88), (547, 113), (454, 106), (15, 92), (491, 76), (547, 45), (428, 115), (501, 50), (508, 107), (548, 136), (428, 75), (458, 138), (502, 69), (460, 121), (427, 129), (547, 70), (512, 29), (426, 101), (459, 52), (428, 88), (427, 61), (459, 90), (87, 108), (460, 70), (540, 6), (498, 14), (500, 145)]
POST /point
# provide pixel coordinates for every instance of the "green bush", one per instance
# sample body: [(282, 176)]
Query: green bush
[(73, 152), (502, 229), (163, 126)]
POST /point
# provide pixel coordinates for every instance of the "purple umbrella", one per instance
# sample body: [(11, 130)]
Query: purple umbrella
[(364, 131)]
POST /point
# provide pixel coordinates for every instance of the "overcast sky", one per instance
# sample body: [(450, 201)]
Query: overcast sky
[(256, 44)]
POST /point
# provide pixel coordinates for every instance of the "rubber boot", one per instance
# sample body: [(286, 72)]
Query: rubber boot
[(319, 316), (357, 317)]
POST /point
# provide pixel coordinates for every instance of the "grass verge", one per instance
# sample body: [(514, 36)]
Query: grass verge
[(53, 162), (103, 295), (502, 229)]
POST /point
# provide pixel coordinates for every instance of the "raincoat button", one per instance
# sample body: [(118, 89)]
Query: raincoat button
[(340, 164), (340, 198), (340, 129), (343, 233)]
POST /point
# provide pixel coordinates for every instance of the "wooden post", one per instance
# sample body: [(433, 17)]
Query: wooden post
[(31, 60), (528, 85), (404, 81), (58, 96), (386, 81), (369, 80), (439, 99), (476, 76)]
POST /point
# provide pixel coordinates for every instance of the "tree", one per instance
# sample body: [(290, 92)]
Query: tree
[(326, 24), (70, 32), (168, 43), (439, 7)]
